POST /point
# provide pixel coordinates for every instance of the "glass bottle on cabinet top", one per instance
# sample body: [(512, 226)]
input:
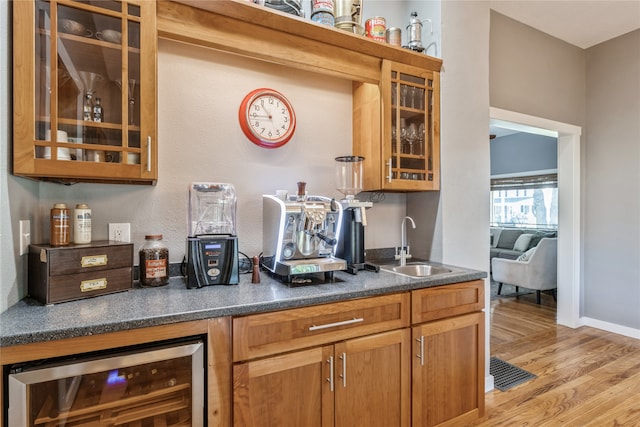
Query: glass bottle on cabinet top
[(79, 53)]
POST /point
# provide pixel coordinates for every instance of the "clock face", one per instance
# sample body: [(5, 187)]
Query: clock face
[(267, 118)]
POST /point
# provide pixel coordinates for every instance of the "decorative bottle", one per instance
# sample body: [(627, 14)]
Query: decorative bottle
[(88, 107), (98, 111)]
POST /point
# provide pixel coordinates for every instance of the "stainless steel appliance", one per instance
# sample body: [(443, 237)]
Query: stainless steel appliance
[(300, 235), (159, 385), (212, 244), (349, 182)]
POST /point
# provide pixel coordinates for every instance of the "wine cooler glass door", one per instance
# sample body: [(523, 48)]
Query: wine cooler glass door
[(152, 386)]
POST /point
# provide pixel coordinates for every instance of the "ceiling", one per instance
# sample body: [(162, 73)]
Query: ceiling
[(583, 23)]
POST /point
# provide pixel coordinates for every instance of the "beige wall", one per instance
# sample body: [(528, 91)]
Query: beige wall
[(535, 74)]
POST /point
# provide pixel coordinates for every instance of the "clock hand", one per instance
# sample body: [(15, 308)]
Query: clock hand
[(265, 108)]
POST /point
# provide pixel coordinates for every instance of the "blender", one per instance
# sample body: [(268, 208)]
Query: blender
[(354, 219), (212, 244)]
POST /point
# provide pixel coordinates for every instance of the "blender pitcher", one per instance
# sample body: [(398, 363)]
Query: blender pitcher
[(212, 209)]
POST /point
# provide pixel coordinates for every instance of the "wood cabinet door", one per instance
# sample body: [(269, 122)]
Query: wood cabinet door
[(287, 390), (448, 372), (396, 127), (372, 380), (86, 73)]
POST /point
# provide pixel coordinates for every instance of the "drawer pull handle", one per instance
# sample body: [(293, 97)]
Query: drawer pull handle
[(333, 325)]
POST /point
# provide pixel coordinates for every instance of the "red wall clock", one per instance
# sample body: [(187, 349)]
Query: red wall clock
[(267, 118)]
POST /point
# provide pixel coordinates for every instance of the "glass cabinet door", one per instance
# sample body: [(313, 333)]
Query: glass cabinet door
[(87, 80), (413, 139), (91, 74)]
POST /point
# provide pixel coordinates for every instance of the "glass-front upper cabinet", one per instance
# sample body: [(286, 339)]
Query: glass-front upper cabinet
[(397, 129), (85, 90)]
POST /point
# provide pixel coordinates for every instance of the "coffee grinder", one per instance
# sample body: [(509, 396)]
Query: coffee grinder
[(354, 218), (212, 244)]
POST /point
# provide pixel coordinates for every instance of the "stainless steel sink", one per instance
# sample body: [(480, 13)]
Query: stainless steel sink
[(416, 269)]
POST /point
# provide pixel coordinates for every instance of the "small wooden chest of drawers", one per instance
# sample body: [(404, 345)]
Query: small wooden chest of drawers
[(58, 274)]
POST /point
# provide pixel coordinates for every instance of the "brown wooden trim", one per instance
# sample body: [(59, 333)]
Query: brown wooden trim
[(219, 373), (110, 340)]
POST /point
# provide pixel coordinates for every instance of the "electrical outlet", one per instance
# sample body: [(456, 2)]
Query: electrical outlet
[(120, 232), (25, 236)]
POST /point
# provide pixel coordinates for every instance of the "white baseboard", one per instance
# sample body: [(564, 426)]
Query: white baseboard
[(488, 383), (610, 327)]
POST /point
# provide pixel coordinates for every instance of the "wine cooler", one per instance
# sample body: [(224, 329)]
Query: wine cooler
[(147, 387)]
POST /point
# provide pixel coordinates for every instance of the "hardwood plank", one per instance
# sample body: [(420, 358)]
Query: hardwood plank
[(585, 376)]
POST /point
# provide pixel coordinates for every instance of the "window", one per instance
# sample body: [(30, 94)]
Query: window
[(529, 201)]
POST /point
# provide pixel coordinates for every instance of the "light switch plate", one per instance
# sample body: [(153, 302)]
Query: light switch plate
[(25, 236)]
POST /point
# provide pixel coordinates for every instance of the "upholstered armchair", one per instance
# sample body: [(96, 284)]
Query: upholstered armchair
[(536, 269)]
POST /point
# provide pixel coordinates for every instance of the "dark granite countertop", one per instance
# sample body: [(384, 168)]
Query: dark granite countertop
[(29, 322)]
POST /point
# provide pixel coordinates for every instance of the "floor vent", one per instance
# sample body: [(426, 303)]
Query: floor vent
[(506, 375)]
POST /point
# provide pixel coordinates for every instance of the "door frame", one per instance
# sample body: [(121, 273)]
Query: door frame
[(569, 214)]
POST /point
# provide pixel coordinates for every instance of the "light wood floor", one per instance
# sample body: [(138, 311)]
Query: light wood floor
[(585, 376)]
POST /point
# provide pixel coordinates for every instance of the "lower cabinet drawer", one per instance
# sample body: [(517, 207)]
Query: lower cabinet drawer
[(446, 301), (265, 334)]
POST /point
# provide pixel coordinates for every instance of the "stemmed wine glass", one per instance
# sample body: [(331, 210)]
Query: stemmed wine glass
[(412, 136), (404, 93), (130, 89)]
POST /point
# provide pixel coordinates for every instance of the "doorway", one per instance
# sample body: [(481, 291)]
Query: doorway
[(568, 136)]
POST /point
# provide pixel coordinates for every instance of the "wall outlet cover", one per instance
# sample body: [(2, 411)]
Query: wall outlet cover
[(120, 232)]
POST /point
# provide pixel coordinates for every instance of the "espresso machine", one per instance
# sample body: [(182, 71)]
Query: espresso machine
[(354, 219), (300, 236), (212, 245)]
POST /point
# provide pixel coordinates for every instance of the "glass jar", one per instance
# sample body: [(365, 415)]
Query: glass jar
[(154, 261)]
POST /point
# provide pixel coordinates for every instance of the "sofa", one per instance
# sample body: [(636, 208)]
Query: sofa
[(511, 243)]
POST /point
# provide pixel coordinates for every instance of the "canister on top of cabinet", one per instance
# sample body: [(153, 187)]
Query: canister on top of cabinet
[(59, 233), (82, 224)]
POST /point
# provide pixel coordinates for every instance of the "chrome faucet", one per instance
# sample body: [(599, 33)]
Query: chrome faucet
[(404, 253)]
